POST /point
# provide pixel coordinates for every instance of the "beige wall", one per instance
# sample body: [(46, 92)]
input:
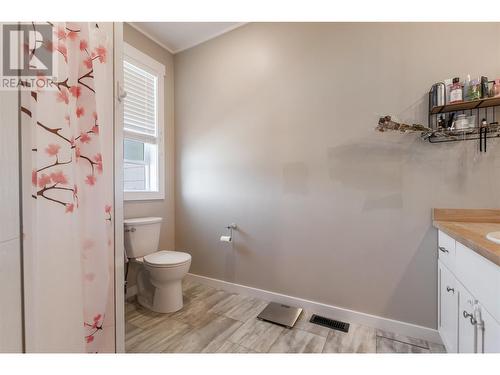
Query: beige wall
[(274, 131), (162, 208)]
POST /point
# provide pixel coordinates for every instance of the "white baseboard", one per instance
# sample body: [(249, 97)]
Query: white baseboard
[(131, 292), (328, 311)]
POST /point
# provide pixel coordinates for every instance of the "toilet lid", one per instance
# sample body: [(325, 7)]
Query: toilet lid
[(167, 258)]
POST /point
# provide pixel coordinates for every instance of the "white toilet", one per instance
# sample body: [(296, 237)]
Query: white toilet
[(159, 282)]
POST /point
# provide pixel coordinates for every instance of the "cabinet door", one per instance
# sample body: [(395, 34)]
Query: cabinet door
[(448, 309), (466, 326), (446, 250), (489, 332)]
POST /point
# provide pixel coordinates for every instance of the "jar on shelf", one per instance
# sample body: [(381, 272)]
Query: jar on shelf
[(474, 90)]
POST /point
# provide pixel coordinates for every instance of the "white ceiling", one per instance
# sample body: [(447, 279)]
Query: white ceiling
[(178, 36)]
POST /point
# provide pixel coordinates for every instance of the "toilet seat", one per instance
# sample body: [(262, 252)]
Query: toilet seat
[(167, 259)]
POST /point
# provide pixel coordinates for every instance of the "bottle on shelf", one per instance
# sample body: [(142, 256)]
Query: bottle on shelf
[(456, 91), (484, 87), (441, 124), (447, 85), (496, 88), (466, 87)]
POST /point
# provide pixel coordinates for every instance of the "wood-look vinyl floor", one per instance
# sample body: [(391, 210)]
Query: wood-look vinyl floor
[(215, 321)]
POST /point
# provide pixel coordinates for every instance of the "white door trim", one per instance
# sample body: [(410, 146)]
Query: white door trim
[(118, 188)]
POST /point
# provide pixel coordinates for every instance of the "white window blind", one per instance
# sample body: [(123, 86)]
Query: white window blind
[(140, 103), (143, 126)]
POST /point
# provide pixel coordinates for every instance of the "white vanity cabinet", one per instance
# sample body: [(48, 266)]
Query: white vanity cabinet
[(469, 299), (448, 308), (467, 330), (489, 338)]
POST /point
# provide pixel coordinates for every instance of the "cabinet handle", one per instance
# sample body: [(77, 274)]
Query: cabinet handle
[(479, 329), (473, 321), (448, 289), (443, 250)]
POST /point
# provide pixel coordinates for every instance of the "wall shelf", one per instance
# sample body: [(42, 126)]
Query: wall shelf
[(483, 110), (477, 133), (466, 105), (480, 110)]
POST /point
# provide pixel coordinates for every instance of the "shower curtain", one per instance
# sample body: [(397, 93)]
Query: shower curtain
[(68, 118)]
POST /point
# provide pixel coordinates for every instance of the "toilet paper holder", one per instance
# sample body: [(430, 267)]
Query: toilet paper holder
[(229, 238)]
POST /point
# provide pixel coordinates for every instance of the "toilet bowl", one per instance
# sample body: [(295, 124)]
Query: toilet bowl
[(164, 271), (159, 281)]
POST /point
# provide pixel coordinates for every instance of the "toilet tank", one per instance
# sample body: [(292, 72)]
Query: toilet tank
[(142, 236)]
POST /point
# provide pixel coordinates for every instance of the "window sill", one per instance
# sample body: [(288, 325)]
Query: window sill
[(142, 196)]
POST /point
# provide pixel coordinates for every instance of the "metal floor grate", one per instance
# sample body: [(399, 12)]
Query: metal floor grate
[(330, 323)]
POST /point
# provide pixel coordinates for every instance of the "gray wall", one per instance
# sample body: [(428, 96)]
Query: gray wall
[(274, 131), (163, 208)]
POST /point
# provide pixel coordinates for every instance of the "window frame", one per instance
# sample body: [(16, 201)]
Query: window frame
[(150, 65)]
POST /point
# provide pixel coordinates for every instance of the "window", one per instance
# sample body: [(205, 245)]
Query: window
[(143, 123)]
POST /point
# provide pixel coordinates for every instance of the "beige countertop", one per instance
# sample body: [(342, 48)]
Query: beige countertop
[(469, 227)]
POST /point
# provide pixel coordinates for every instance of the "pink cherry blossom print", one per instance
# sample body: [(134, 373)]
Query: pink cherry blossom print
[(98, 162), (52, 149), (44, 180), (69, 189), (84, 138), (59, 177), (72, 35), (76, 92), (90, 180), (62, 96), (83, 45), (80, 111), (49, 46), (101, 53), (96, 320), (61, 33), (61, 48), (88, 62), (107, 210)]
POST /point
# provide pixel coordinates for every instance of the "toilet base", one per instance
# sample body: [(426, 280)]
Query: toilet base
[(167, 299)]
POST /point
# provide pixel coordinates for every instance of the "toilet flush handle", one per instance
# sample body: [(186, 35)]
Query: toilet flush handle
[(130, 230)]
